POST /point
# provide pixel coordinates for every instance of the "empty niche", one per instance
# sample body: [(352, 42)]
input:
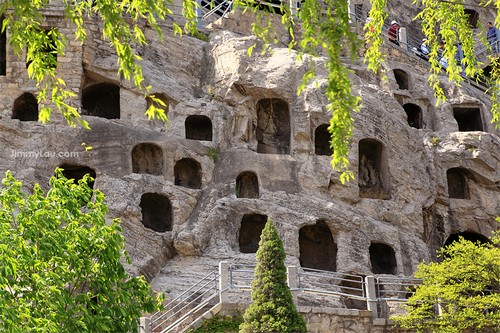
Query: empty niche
[(273, 126), (322, 140), (102, 100), (3, 49), (413, 115), (458, 187), (198, 128), (77, 172), (467, 235), (382, 258), (47, 49), (162, 98), (156, 212), (247, 185), (187, 173), (372, 170), (147, 158), (250, 230), (317, 248), (402, 79), (468, 119), (472, 17), (25, 108)]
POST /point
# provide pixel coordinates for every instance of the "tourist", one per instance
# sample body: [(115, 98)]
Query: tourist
[(424, 48), (459, 55), (394, 32), (443, 62), (369, 24), (492, 37)]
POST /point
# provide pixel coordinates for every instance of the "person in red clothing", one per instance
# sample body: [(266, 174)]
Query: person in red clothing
[(394, 32), (369, 24)]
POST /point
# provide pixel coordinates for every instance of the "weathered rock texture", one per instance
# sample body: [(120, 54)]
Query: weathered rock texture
[(259, 126)]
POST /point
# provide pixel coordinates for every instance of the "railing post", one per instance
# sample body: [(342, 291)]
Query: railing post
[(199, 15), (145, 325), (371, 295), (292, 273), (223, 282), (293, 7), (403, 39), (351, 12)]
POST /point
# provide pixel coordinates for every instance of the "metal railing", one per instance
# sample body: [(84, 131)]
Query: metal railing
[(331, 283), (373, 290), (395, 288), (411, 44), (217, 7), (241, 276), (190, 301)]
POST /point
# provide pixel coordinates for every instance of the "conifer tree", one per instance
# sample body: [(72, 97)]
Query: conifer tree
[(272, 309)]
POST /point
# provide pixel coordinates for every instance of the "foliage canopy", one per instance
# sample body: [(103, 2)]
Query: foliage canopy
[(460, 293), (61, 264), (325, 29), (272, 309)]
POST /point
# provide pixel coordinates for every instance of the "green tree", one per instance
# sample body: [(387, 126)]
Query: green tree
[(459, 294), (61, 263), (272, 309)]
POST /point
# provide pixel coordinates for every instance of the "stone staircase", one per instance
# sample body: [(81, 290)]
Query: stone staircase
[(181, 312)]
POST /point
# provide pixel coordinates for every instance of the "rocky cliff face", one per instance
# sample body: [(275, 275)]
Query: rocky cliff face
[(241, 146)]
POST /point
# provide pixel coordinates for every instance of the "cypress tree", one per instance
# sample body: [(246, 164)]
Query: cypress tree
[(272, 309)]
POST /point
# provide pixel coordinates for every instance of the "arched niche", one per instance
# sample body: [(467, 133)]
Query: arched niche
[(382, 258), (77, 172), (46, 49), (25, 108), (198, 127), (372, 170), (102, 100), (317, 248), (187, 173), (322, 140), (471, 236), (472, 17), (247, 185), (413, 115), (273, 126), (250, 231), (164, 99), (156, 212), (468, 118), (147, 158), (402, 79), (458, 187)]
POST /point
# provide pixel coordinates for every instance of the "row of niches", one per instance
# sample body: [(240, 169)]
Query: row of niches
[(316, 242), (103, 101), (373, 179), (273, 131), (147, 158), (318, 249), (468, 118), (373, 174)]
